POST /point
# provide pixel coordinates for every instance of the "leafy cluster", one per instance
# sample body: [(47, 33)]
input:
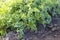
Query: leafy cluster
[(22, 14)]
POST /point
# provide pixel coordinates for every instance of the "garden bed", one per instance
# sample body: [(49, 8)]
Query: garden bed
[(52, 33)]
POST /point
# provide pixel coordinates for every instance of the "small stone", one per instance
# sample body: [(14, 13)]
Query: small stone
[(55, 25), (23, 39), (53, 29), (55, 35), (50, 26)]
